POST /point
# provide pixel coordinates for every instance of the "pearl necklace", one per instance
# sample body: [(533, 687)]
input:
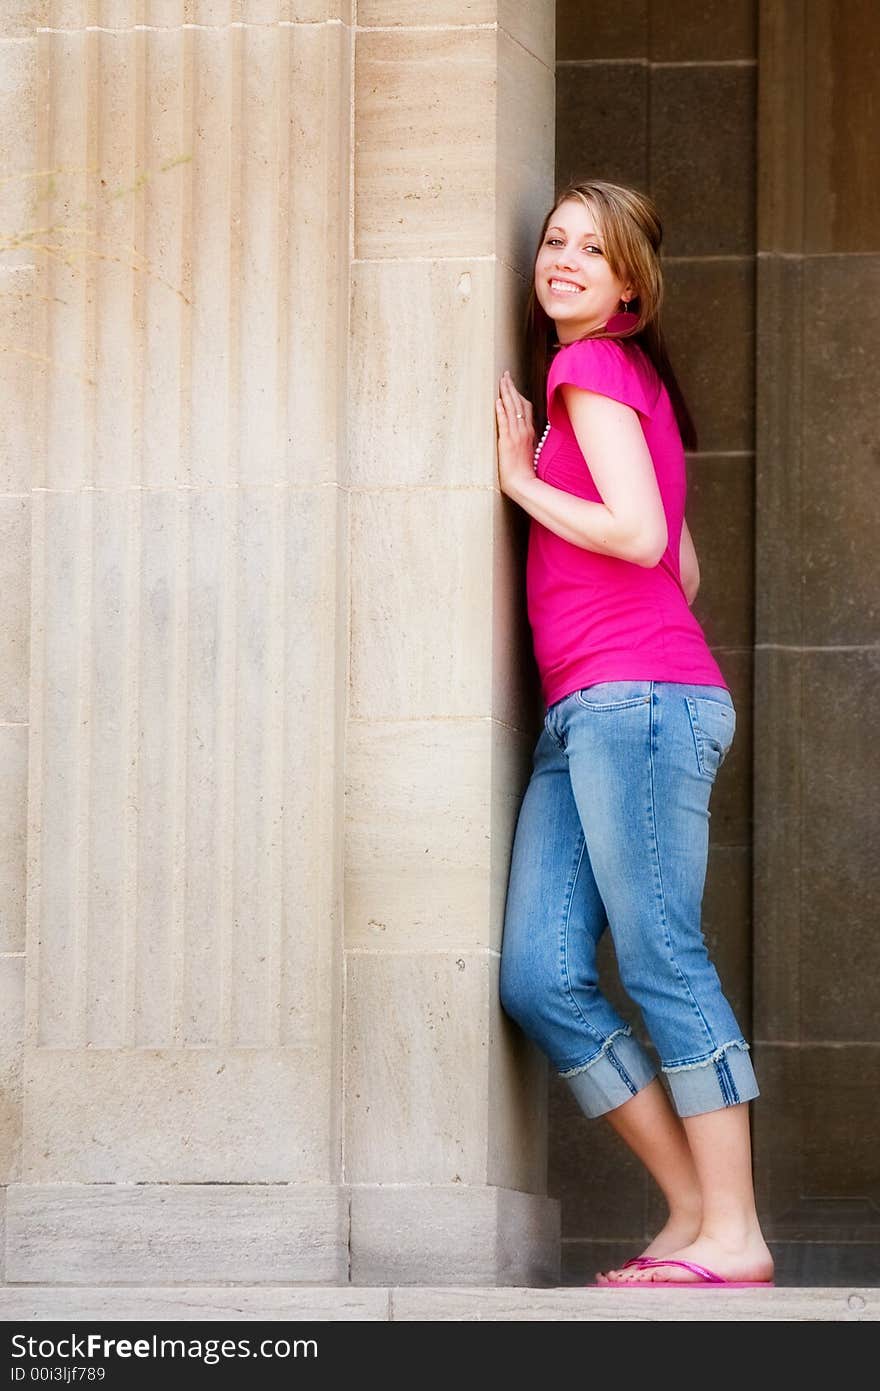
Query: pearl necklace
[(540, 446)]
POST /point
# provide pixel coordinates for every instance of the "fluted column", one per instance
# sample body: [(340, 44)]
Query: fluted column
[(445, 1118), (17, 275), (187, 683), (280, 696)]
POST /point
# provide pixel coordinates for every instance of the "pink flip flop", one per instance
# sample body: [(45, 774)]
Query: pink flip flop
[(708, 1278)]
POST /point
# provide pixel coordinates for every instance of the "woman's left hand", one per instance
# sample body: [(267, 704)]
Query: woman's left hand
[(516, 437)]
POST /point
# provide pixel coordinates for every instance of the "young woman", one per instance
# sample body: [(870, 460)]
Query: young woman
[(613, 829)]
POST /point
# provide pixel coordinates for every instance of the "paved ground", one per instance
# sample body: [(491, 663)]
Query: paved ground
[(292, 1303)]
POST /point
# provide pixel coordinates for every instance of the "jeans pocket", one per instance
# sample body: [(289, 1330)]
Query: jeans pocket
[(614, 695), (713, 723)]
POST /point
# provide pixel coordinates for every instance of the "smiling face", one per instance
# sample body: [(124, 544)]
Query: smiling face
[(574, 283)]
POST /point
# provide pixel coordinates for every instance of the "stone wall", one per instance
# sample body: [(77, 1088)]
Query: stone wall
[(753, 126), (817, 887), (663, 96)]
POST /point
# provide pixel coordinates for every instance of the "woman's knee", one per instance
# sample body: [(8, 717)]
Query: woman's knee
[(516, 992), (526, 996), (660, 957)]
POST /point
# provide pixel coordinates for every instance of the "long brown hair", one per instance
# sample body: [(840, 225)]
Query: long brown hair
[(632, 233)]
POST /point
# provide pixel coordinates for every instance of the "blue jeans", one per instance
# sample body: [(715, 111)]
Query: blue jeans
[(613, 831)]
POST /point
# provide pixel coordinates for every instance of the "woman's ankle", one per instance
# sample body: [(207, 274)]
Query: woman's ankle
[(735, 1231), (687, 1212)]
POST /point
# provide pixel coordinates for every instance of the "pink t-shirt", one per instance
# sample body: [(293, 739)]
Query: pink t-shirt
[(597, 617)]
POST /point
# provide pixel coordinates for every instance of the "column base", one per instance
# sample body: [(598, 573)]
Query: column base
[(453, 1235), (166, 1234), (279, 1234)]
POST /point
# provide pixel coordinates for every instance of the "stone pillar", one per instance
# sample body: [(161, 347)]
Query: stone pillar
[(188, 637), (17, 272), (445, 1131), (817, 990), (281, 705)]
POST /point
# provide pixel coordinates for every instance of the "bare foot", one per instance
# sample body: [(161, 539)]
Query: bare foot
[(747, 1260), (678, 1232)]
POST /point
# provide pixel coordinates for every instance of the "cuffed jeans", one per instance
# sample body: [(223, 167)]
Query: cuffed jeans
[(613, 831)]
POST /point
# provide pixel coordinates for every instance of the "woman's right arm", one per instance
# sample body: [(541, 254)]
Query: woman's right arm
[(629, 522), (688, 565)]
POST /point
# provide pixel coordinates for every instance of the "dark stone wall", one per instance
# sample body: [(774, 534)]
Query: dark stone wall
[(664, 96), (755, 129), (817, 869)]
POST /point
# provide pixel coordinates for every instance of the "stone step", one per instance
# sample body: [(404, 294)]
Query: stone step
[(304, 1303)]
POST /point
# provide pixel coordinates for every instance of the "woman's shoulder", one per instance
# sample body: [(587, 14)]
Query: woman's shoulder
[(613, 366), (624, 353)]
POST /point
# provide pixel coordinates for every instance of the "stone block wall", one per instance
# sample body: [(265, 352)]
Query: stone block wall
[(817, 983), (663, 96), (754, 128)]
